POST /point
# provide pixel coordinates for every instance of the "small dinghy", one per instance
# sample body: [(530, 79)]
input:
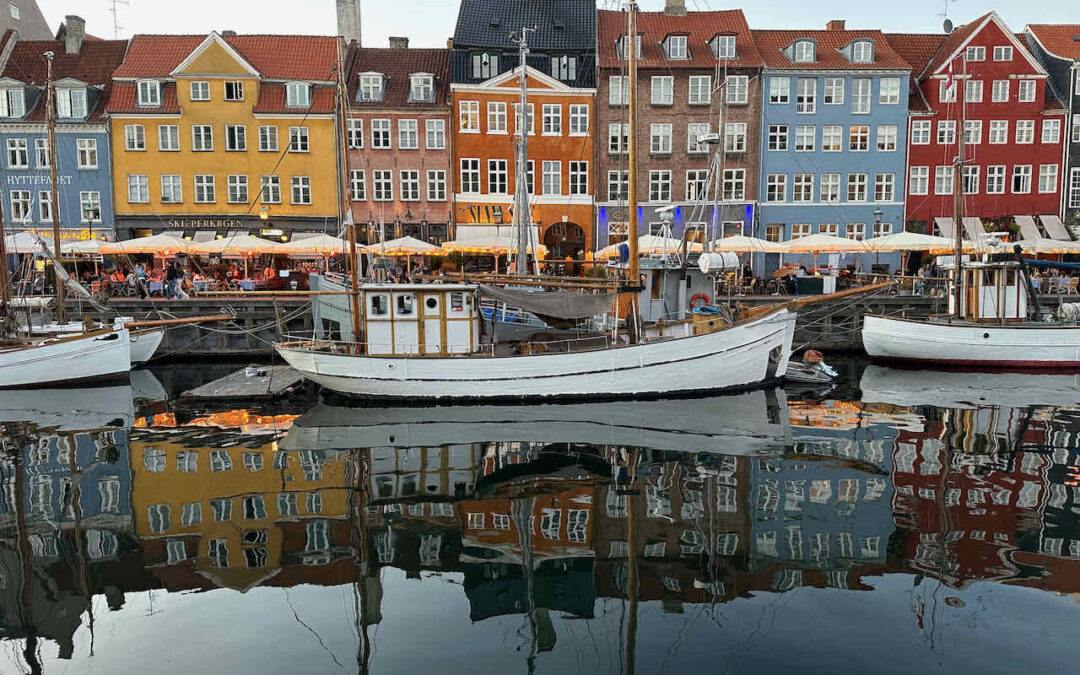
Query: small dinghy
[(812, 369)]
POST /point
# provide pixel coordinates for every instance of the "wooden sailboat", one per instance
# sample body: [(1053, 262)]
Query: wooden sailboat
[(423, 341), (988, 324)]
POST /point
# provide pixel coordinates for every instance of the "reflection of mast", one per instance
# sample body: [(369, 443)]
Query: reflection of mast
[(30, 649), (523, 508), (76, 508), (632, 562), (360, 595)]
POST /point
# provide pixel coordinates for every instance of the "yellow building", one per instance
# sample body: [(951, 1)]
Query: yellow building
[(224, 133)]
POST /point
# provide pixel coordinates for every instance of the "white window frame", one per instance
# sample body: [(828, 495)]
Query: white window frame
[(300, 190), (199, 90), (435, 134)]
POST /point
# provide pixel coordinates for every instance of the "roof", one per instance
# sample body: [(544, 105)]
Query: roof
[(280, 57), (560, 24), (953, 41), (915, 48), (397, 65), (272, 99), (123, 100), (1061, 40), (700, 27), (829, 42)]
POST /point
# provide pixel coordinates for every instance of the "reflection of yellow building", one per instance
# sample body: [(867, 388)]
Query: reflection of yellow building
[(235, 513), (207, 131)]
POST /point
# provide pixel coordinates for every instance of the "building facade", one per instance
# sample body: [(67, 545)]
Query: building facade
[(1059, 53), (833, 133), (82, 72), (561, 88), (220, 133), (397, 128), (1013, 129), (698, 74), (25, 18)]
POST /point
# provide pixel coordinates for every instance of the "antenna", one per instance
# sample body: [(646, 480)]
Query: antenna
[(946, 25), (114, 7)]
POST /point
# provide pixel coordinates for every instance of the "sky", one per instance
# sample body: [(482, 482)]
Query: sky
[(383, 18)]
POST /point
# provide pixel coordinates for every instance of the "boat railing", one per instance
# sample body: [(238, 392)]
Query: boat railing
[(384, 348)]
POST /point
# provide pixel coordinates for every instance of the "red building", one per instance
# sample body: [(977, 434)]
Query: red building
[(1014, 126)]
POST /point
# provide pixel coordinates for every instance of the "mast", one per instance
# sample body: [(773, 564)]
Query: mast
[(50, 108), (5, 289), (345, 206), (633, 271), (522, 218), (958, 195)]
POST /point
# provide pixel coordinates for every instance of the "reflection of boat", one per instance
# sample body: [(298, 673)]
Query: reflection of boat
[(70, 409), (742, 423), (146, 388), (967, 389)]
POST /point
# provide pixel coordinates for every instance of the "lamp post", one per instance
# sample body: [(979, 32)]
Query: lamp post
[(88, 215), (877, 230)]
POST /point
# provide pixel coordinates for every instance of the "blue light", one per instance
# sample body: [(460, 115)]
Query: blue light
[(678, 214)]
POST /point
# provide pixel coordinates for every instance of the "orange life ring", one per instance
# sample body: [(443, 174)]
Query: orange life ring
[(704, 297)]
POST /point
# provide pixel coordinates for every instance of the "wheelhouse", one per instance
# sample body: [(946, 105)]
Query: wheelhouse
[(420, 319)]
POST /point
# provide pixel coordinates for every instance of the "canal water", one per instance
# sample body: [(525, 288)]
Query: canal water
[(902, 521)]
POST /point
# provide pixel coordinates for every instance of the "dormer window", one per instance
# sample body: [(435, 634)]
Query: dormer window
[(723, 46), (371, 87), (862, 51), (421, 88), (149, 92), (676, 47), (298, 95), (71, 103), (804, 52), (620, 47), (484, 65), (12, 102), (564, 68)]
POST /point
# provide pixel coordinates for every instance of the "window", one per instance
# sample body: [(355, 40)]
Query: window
[(885, 187), (45, 205), (371, 87), (484, 65), (436, 134), (235, 137), (172, 191), (947, 91), (1003, 53), (18, 157), (408, 134), (1026, 91), (191, 514), (694, 132), (618, 139), (20, 206), (71, 103), (832, 136), (946, 132), (286, 504), (735, 137), (831, 229), (778, 137), (805, 138), (12, 102), (677, 47), (890, 91), (254, 508), (662, 89), (660, 139), (564, 68), (158, 516), (238, 189), (800, 230), (220, 460), (734, 183), (834, 91), (579, 178), (470, 176), (971, 180), (298, 138), (530, 118), (268, 138), (1051, 131), (618, 186), (804, 51), (204, 189), (168, 138), (860, 95), (779, 90), (973, 132), (859, 138), (301, 189), (618, 90), (659, 186), (995, 180), (200, 91), (41, 153), (999, 91), (234, 90), (497, 178), (802, 187), (552, 119), (468, 116), (806, 98), (976, 53), (973, 91), (856, 187), (270, 187), (1025, 132), (999, 132), (579, 119), (774, 233), (552, 178), (830, 187), (776, 187), (943, 180), (700, 90), (1076, 129), (202, 138), (737, 89), (86, 150), (138, 189), (1048, 174), (697, 185), (357, 185), (134, 137), (886, 137), (149, 93), (724, 46), (89, 206), (298, 95), (496, 117), (918, 181), (1074, 188), (436, 185), (15, 12)]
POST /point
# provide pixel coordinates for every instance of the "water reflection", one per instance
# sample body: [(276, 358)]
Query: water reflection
[(554, 537)]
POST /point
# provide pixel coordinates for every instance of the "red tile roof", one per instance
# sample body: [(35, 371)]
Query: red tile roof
[(915, 48), (272, 100), (953, 41), (93, 64), (397, 65), (123, 99), (282, 57), (1061, 40), (701, 27), (829, 42)]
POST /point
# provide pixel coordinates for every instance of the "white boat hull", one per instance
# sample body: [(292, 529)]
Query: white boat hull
[(95, 356), (1009, 346), (736, 357), (144, 343)]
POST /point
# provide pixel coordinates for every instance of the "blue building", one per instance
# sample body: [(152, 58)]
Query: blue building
[(82, 71), (833, 136)]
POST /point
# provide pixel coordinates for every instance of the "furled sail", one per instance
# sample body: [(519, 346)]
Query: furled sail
[(555, 304)]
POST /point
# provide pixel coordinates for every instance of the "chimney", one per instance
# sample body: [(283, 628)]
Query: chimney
[(449, 43), (348, 20), (675, 7), (399, 42), (74, 33), (835, 24), (228, 33)]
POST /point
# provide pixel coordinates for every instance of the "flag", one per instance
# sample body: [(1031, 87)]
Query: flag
[(949, 81)]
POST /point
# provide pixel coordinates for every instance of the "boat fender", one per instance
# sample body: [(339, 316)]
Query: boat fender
[(1070, 311), (703, 297), (706, 310)]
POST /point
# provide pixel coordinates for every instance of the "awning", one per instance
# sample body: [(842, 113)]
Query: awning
[(1055, 228), (946, 227), (490, 239), (974, 229), (204, 235), (1028, 229), (555, 304)]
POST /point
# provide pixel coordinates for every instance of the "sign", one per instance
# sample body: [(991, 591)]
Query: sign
[(619, 228), (205, 223), (30, 180)]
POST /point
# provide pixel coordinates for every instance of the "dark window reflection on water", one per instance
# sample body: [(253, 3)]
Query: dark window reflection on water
[(904, 520)]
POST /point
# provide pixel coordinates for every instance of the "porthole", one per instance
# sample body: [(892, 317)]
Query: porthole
[(431, 303)]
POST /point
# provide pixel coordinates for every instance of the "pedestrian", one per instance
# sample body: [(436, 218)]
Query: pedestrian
[(171, 272)]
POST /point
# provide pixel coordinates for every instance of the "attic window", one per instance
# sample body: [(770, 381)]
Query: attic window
[(495, 22), (484, 65), (559, 25), (12, 102), (298, 95), (804, 52), (862, 51), (149, 93), (71, 103), (371, 87), (564, 67), (620, 47), (421, 88), (723, 46), (676, 47)]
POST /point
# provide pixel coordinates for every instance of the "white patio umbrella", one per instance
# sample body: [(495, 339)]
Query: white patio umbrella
[(824, 243), (649, 244), (909, 241), (23, 242), (241, 245), (320, 244), (743, 244), (160, 244), (1043, 246)]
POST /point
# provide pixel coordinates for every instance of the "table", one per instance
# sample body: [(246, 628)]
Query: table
[(201, 285), (156, 287)]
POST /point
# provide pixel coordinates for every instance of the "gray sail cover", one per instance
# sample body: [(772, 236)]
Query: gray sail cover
[(556, 304)]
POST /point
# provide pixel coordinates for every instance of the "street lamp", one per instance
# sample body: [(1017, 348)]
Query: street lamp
[(877, 232)]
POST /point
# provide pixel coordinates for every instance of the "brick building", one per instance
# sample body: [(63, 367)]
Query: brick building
[(696, 71), (399, 148)]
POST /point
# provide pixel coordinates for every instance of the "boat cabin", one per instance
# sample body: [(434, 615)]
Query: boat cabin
[(420, 319), (993, 292), (663, 298)]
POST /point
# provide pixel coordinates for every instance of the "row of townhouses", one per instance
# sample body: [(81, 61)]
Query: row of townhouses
[(837, 131)]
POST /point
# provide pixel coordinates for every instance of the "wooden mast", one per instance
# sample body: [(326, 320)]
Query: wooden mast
[(633, 272), (346, 206), (50, 108), (960, 94), (5, 289)]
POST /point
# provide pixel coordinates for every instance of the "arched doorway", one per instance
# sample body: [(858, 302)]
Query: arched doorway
[(564, 240)]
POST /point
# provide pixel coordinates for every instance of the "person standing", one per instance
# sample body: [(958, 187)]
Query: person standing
[(170, 280)]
